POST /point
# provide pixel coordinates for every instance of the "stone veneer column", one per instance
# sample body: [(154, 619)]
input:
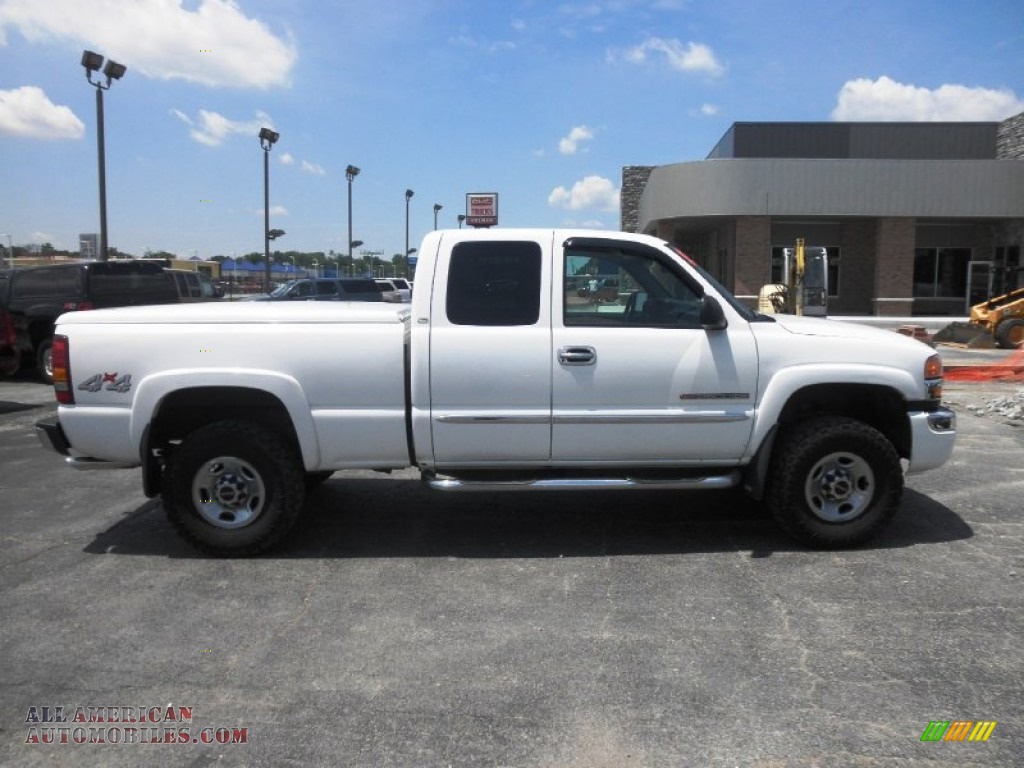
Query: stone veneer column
[(753, 251), (634, 179), (894, 267)]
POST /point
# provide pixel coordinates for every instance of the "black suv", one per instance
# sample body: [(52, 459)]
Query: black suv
[(37, 296), (327, 289)]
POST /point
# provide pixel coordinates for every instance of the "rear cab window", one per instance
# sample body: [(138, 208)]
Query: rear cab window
[(494, 284)]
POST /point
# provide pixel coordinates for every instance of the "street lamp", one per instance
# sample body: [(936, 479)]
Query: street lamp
[(408, 196), (268, 138), (462, 218), (350, 173), (437, 207), (408, 253), (112, 71)]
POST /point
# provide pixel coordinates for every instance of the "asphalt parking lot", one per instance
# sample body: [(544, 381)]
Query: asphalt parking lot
[(403, 627)]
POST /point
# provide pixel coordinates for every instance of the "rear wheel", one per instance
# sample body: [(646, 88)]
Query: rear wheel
[(835, 482), (1010, 334), (233, 488), (44, 360)]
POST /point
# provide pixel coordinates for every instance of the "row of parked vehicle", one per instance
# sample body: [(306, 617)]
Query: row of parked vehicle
[(32, 298), (396, 290)]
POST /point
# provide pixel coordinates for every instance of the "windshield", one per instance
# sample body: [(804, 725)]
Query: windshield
[(282, 290)]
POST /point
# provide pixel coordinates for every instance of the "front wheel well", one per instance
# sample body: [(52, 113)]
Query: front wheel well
[(878, 406)]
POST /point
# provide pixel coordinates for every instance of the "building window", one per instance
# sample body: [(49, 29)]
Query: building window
[(941, 272), (832, 251)]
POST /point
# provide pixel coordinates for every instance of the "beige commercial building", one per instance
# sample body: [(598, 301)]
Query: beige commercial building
[(917, 218)]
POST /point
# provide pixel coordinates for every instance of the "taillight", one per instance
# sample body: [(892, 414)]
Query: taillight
[(62, 371), (7, 333)]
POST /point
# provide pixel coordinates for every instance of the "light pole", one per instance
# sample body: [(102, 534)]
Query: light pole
[(408, 196), (350, 173), (462, 218), (272, 234), (437, 207), (10, 250), (267, 139), (113, 71)]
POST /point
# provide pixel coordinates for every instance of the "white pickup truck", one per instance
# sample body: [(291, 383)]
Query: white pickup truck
[(507, 372)]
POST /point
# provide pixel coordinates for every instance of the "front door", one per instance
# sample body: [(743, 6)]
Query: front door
[(636, 379)]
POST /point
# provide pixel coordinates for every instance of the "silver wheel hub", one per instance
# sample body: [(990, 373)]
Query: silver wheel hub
[(228, 492), (840, 487)]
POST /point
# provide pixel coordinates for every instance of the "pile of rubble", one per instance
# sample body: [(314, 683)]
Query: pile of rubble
[(1008, 408)]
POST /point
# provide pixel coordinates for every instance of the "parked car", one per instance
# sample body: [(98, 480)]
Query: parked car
[(10, 355), (37, 296), (194, 286), (389, 290), (326, 289), (399, 284)]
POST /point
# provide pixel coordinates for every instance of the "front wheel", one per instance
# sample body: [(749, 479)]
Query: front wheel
[(1010, 334), (233, 488), (836, 482)]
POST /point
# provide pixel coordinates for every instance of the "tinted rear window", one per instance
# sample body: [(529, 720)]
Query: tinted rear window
[(326, 288), (135, 280), (494, 283), (360, 286)]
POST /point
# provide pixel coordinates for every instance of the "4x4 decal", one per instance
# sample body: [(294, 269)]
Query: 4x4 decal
[(114, 383)]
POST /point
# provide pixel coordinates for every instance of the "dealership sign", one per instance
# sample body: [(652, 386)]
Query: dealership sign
[(482, 209)]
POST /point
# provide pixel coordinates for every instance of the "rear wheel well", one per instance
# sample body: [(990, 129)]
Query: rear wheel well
[(183, 412), (881, 407)]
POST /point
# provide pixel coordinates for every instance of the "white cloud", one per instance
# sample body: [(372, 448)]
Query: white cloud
[(313, 168), (212, 128), (275, 210), (591, 192), (708, 109), (885, 99), (215, 44), (28, 112), (691, 57), (287, 159), (569, 144), (490, 47)]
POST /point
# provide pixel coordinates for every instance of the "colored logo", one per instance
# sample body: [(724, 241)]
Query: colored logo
[(958, 730)]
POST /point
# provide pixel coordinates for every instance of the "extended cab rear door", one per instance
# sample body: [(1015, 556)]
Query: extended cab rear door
[(490, 351), (637, 380)]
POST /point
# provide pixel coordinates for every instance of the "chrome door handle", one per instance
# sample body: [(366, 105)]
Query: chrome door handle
[(577, 355)]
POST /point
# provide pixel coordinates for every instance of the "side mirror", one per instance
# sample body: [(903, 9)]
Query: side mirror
[(712, 318)]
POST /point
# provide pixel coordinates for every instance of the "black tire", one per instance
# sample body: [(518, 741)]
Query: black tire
[(315, 479), (233, 488), (44, 360), (1010, 334), (835, 482)]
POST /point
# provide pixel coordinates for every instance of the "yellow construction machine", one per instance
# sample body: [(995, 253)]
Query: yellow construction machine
[(998, 321)]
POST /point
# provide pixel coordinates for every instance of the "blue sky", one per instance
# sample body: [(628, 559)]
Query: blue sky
[(541, 102)]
